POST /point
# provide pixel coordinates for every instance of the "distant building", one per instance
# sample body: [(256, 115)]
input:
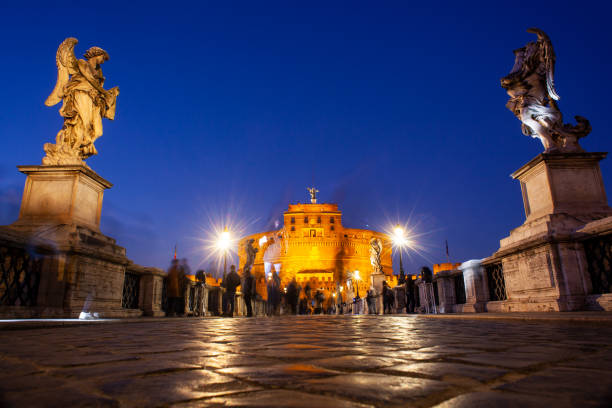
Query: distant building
[(314, 247), (445, 267)]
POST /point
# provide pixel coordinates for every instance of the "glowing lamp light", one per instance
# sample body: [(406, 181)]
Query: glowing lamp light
[(285, 289), (263, 240), (334, 295), (224, 240), (356, 274), (341, 288), (398, 236)]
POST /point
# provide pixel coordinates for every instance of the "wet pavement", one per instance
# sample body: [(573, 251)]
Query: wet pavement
[(309, 361)]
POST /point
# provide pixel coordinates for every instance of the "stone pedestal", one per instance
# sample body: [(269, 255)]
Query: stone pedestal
[(84, 270), (446, 291), (563, 183), (61, 195), (544, 265), (376, 280), (476, 292), (151, 287)]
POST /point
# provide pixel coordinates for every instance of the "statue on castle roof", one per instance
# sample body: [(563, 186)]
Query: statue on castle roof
[(533, 97), (313, 194), (85, 102)]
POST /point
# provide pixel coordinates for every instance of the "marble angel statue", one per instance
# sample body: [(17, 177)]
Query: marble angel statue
[(85, 102), (533, 98), (375, 251), (251, 252)]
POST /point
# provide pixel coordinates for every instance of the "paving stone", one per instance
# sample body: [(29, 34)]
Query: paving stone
[(235, 360), (319, 360), (275, 399), (440, 370), (279, 375), (14, 367), (155, 390), (368, 387), (24, 383), (122, 369), (567, 384), (59, 397), (356, 362), (507, 359), (504, 400)]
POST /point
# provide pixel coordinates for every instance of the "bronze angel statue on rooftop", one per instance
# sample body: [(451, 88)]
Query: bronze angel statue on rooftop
[(85, 102), (533, 98)]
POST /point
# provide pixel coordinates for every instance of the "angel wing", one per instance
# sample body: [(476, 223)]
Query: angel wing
[(549, 60), (66, 66)]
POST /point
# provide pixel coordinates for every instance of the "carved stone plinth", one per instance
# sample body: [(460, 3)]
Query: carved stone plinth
[(61, 195), (568, 183), (543, 261), (82, 269), (376, 280), (475, 286)]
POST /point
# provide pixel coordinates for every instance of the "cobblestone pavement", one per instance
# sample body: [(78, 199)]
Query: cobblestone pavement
[(310, 361)]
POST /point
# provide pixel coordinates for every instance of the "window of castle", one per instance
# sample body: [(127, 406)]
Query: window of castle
[(331, 220), (293, 220)]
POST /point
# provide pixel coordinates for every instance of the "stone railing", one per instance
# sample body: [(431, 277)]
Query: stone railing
[(144, 284), (20, 275), (598, 254), (447, 293)]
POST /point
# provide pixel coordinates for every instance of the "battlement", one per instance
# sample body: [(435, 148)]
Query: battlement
[(312, 208)]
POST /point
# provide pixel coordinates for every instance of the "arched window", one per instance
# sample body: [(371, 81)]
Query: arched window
[(292, 228), (332, 220), (319, 220), (306, 220), (293, 220)]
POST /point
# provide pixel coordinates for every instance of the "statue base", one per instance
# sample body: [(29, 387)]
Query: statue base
[(70, 266), (544, 263), (376, 280), (61, 195)]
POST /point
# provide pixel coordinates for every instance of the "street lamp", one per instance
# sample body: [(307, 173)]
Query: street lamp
[(356, 284), (400, 240), (223, 243)]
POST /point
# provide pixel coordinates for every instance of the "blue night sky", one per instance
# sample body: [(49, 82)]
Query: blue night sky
[(229, 110)]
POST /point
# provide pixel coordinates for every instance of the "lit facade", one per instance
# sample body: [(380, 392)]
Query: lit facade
[(314, 247)]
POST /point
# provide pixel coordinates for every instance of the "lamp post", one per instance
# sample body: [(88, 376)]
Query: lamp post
[(356, 284), (399, 240), (223, 244)]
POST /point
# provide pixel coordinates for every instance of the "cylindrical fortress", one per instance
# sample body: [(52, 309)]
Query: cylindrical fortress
[(315, 248)]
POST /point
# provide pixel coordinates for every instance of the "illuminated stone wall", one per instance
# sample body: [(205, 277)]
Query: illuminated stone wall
[(314, 247)]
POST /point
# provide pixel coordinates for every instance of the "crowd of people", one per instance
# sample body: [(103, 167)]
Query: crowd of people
[(294, 298)]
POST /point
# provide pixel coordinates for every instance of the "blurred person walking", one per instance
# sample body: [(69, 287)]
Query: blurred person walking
[(232, 281), (174, 289), (249, 291)]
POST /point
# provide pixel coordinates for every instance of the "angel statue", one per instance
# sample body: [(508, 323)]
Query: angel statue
[(533, 97), (375, 250), (85, 102), (251, 251), (313, 194)]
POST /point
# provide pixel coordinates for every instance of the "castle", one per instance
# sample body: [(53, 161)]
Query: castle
[(315, 248)]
